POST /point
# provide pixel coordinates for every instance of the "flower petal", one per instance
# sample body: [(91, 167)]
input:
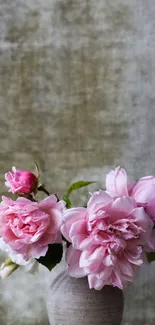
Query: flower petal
[(99, 199), (48, 203), (116, 182), (72, 259), (70, 216), (36, 251), (122, 207), (144, 189)]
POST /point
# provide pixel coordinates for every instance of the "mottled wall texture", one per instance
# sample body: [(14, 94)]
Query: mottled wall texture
[(77, 95)]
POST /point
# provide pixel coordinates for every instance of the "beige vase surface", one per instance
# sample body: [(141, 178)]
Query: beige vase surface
[(71, 302)]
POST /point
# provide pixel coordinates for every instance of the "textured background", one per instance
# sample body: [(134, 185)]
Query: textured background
[(77, 95)]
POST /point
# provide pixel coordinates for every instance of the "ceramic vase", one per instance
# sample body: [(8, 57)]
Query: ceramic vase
[(71, 302)]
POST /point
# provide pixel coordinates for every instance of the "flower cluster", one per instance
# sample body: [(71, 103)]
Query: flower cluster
[(28, 227), (107, 241)]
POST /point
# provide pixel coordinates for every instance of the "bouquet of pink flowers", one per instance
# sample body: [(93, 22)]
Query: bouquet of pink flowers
[(107, 241)]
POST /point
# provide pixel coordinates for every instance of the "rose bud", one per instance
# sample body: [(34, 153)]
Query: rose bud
[(21, 181), (7, 268)]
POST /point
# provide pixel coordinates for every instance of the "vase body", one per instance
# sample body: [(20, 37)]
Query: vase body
[(71, 302)]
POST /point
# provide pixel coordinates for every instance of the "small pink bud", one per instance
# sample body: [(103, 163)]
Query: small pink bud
[(21, 181)]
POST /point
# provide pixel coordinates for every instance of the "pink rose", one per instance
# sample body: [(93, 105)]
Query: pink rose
[(29, 227), (21, 181), (143, 190), (107, 239)]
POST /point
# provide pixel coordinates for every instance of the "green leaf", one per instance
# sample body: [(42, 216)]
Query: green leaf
[(150, 257), (68, 201), (77, 185), (52, 257)]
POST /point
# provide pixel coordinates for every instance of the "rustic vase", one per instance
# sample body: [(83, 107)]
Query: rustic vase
[(71, 302)]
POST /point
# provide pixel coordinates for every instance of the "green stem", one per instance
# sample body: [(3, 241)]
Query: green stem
[(43, 189)]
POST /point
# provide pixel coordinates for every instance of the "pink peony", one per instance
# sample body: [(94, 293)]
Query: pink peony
[(21, 181), (107, 239), (29, 227), (143, 191)]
